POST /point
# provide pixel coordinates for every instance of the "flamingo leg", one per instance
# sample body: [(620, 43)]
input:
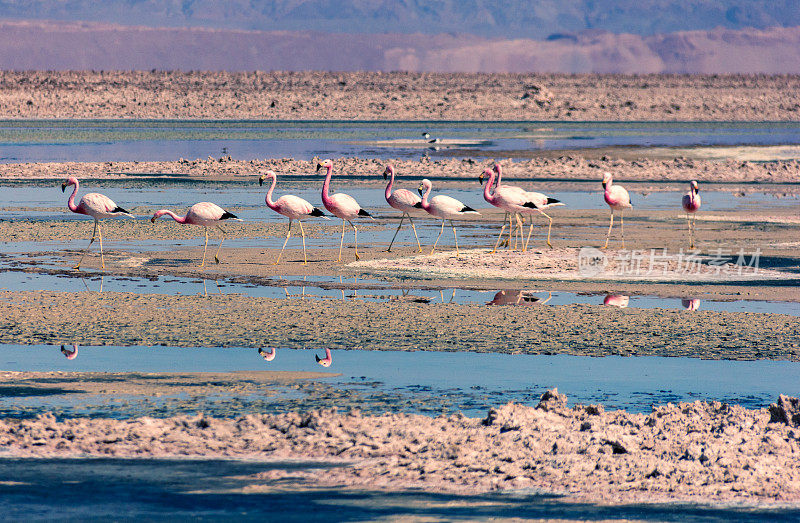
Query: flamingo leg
[(610, 225), (303, 234), (80, 260), (284, 243), (341, 242), (622, 227), (694, 228), (395, 232), (216, 256), (415, 233), (521, 229), (502, 244), (511, 231), (456, 239), (549, 228), (437, 238), (100, 237), (503, 228), (355, 238), (203, 263), (689, 223)]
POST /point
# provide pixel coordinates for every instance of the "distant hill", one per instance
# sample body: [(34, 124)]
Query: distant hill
[(80, 45), (489, 18)]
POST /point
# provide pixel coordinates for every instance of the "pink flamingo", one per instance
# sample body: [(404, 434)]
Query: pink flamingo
[(404, 201), (510, 199), (691, 204), (269, 356), (96, 205), (690, 304), (327, 360), (618, 199), (499, 170), (70, 354), (617, 300), (444, 208), (205, 214), (341, 205), (293, 207), (523, 297)]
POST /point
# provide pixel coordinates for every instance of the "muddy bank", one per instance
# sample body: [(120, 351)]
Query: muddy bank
[(396, 96), (574, 167), (217, 320), (684, 452)]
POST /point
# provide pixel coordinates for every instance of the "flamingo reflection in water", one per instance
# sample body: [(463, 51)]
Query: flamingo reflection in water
[(70, 354), (269, 356), (522, 297), (617, 300), (327, 360), (690, 304)]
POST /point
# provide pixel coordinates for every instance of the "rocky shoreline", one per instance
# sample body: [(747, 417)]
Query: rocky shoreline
[(314, 95), (701, 451)]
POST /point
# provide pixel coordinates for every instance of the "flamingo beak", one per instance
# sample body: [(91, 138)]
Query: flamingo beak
[(480, 178), (419, 190), (261, 181), (63, 187), (604, 184), (153, 219), (385, 176), (319, 166)]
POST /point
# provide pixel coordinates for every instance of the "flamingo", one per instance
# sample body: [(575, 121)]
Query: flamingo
[(404, 201), (341, 205), (691, 204), (618, 199), (269, 356), (510, 199), (444, 208), (70, 354), (522, 297), (327, 360), (499, 170), (293, 207), (96, 205), (205, 214), (617, 300)]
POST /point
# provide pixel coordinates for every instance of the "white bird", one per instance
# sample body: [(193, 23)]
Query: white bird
[(691, 204), (404, 201), (444, 208), (618, 199), (99, 207), (293, 207), (269, 356), (204, 214), (341, 205), (510, 199)]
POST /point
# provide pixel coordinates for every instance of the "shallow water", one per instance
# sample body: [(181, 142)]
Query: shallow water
[(129, 140), (319, 287), (420, 382)]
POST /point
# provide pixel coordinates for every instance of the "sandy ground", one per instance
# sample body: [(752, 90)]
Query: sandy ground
[(397, 96), (685, 452), (543, 169)]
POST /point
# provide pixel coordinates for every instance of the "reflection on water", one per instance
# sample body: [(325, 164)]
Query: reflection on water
[(269, 356), (70, 354), (327, 360), (690, 304), (521, 297), (617, 300)]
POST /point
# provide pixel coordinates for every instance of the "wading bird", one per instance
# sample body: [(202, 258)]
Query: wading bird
[(341, 205), (293, 207), (96, 205), (616, 300), (510, 199), (444, 208), (617, 199), (269, 356), (70, 354), (205, 214), (404, 201), (327, 360), (690, 304), (691, 204)]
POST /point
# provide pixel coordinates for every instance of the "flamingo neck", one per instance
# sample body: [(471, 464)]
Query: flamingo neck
[(425, 204), (388, 193), (487, 189), (71, 201), (325, 186), (499, 175), (268, 198), (179, 219)]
